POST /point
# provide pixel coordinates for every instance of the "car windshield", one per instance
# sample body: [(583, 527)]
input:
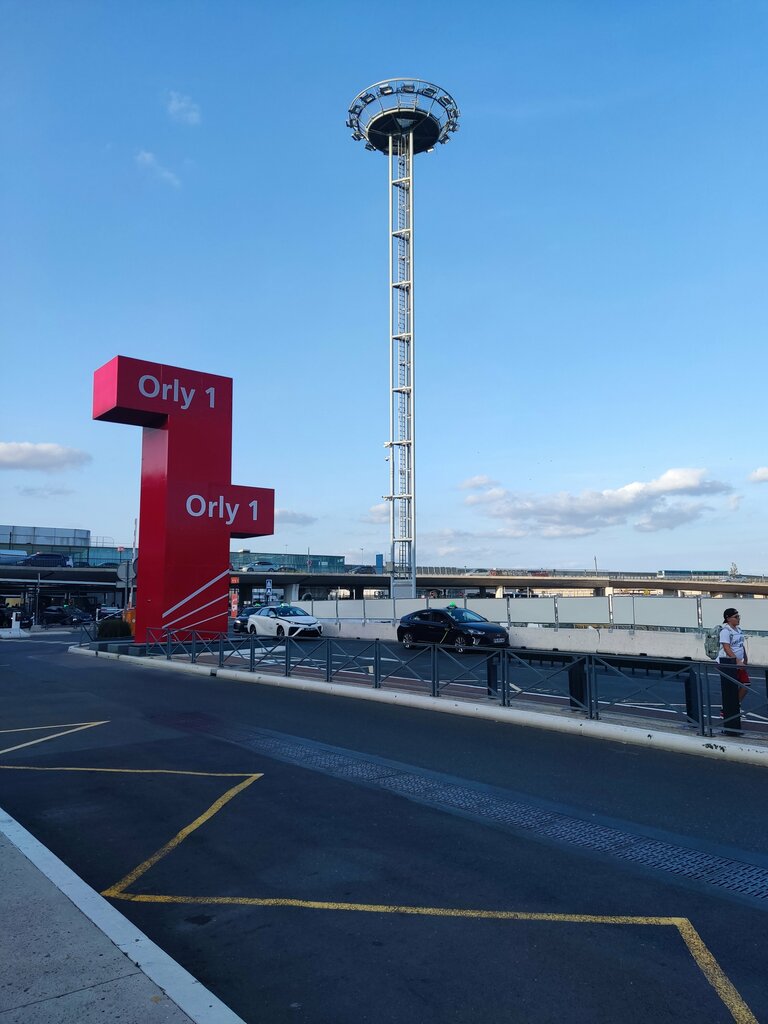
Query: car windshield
[(465, 615), (287, 611)]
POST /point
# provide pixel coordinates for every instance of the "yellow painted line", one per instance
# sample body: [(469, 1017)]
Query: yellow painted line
[(715, 975), (704, 959), (129, 879), (127, 771), (53, 736), (61, 725), (698, 949), (375, 908)]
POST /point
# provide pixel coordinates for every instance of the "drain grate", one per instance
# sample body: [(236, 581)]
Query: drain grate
[(720, 872)]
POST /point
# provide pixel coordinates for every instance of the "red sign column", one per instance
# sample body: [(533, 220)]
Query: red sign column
[(189, 507)]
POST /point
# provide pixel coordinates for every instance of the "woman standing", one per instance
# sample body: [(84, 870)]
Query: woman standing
[(732, 653)]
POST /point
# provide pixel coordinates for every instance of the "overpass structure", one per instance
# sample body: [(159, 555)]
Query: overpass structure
[(498, 584), (102, 586)]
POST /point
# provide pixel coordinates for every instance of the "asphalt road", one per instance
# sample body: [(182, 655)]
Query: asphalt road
[(316, 859)]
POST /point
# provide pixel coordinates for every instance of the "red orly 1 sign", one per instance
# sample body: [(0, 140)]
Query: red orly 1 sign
[(189, 507)]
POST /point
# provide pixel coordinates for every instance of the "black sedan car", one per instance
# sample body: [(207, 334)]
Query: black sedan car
[(455, 627), (58, 615), (41, 559), (240, 622)]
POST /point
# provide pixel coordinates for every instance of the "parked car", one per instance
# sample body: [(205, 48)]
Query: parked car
[(240, 622), (455, 627), (284, 620), (363, 570), (58, 615), (287, 568), (262, 566), (40, 558), (6, 617)]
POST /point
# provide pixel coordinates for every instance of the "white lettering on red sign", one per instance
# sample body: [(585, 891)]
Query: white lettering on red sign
[(150, 387), (216, 508)]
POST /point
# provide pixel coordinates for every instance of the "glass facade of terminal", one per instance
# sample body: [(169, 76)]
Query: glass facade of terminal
[(75, 544), (78, 545)]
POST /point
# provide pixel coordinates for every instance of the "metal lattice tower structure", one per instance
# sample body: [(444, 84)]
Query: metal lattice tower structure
[(401, 117)]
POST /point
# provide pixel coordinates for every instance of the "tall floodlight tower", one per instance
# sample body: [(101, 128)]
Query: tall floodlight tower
[(401, 117)]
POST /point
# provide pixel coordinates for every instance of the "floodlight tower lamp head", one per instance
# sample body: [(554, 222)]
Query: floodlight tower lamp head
[(397, 107)]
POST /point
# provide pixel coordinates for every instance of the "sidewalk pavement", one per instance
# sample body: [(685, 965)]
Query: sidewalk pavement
[(67, 955)]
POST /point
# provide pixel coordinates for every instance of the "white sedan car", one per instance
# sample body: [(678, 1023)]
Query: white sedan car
[(283, 620)]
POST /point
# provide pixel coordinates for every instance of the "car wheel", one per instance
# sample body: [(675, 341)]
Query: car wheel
[(407, 641), (279, 632), (461, 643), (251, 629)]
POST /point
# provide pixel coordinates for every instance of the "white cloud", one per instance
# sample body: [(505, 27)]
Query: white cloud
[(475, 482), (648, 505), (376, 514), (44, 492), (285, 515), (45, 457), (182, 108), (759, 475), (149, 162), (669, 517)]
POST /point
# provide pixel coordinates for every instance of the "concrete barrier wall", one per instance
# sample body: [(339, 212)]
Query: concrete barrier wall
[(535, 622), (654, 643), (673, 613)]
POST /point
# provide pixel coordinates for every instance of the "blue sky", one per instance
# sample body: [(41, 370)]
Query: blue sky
[(178, 185)]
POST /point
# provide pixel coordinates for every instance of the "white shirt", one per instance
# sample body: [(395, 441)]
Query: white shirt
[(735, 638)]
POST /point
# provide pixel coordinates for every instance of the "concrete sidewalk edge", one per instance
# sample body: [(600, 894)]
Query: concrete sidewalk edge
[(720, 748), (192, 998)]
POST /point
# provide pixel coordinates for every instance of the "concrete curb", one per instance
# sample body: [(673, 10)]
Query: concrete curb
[(191, 997), (719, 748)]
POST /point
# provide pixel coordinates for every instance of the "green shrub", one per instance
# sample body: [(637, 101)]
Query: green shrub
[(113, 627)]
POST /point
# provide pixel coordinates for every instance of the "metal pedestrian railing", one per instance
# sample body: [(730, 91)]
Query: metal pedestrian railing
[(705, 697)]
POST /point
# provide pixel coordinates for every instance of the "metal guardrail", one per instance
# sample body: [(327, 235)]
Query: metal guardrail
[(695, 695)]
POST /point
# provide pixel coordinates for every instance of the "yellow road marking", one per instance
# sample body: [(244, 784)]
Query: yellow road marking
[(127, 771), (703, 958), (130, 878), (714, 974), (698, 949), (53, 736), (61, 725), (383, 908)]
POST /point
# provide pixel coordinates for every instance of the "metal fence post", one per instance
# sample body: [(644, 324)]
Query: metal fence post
[(593, 696), (692, 702), (168, 645), (705, 701), (328, 661), (252, 653), (577, 686), (504, 655), (435, 678), (221, 649), (287, 664), (193, 649), (377, 664)]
